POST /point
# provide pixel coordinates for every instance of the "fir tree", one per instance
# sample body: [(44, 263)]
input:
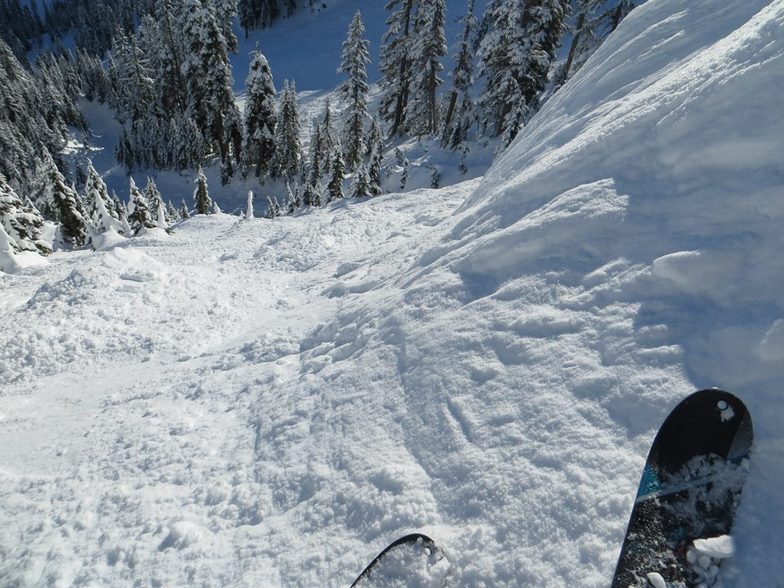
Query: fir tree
[(428, 49), (72, 227), (335, 186), (288, 149), (156, 205), (208, 76), (360, 185), (354, 90), (260, 118), (99, 205), (167, 61), (131, 77), (460, 111), (328, 138), (316, 149), (22, 223), (201, 195), (516, 54), (172, 214), (396, 63), (140, 217), (375, 154), (273, 208), (294, 200), (593, 20), (184, 212)]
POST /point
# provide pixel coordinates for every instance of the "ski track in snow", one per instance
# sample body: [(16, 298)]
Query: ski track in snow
[(270, 403)]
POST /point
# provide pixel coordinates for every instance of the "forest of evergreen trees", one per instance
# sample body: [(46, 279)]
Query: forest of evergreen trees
[(163, 66)]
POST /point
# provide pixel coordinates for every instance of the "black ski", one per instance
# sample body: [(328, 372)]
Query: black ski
[(689, 492), (413, 560)]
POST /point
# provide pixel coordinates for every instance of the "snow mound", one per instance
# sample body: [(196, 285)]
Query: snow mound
[(663, 150)]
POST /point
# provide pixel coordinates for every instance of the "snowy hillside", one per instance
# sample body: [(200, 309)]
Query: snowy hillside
[(269, 403)]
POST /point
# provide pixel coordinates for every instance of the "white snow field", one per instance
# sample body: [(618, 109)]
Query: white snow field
[(270, 403)]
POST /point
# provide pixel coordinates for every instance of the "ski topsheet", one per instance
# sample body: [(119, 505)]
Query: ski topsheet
[(679, 528), (412, 561)]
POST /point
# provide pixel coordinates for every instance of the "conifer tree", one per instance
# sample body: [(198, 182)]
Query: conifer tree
[(310, 196), (396, 62), (273, 208), (167, 61), (22, 223), (516, 54), (184, 212), (335, 186), (328, 138), (593, 20), (428, 48), (208, 76), (460, 112), (375, 155), (354, 90), (260, 118), (201, 195), (99, 205), (68, 210), (294, 199), (360, 185), (225, 11), (131, 77), (156, 205), (172, 214), (140, 217), (316, 149), (288, 149)]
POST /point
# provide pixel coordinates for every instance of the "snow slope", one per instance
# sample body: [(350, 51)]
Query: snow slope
[(269, 403)]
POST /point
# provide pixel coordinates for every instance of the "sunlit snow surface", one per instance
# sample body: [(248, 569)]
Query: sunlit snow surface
[(270, 403)]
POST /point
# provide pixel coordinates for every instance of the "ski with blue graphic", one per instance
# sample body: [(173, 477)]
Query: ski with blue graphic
[(679, 530)]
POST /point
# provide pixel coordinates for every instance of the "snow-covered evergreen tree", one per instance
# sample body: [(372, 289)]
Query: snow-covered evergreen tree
[(172, 214), (257, 13), (328, 138), (460, 113), (360, 185), (201, 195), (516, 54), (140, 217), (99, 205), (294, 200), (260, 117), (592, 22), (225, 11), (288, 149), (273, 208), (315, 152), (208, 76), (429, 46), (184, 212), (167, 59), (21, 222), (354, 90), (396, 62), (131, 77), (375, 155), (335, 186), (67, 207), (155, 202)]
